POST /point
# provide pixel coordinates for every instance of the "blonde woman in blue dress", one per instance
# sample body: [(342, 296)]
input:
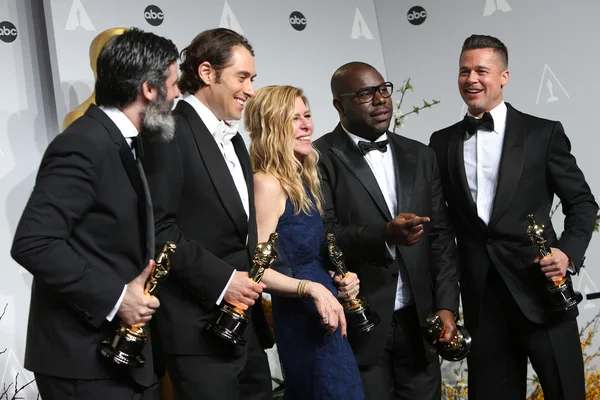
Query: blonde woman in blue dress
[(318, 363)]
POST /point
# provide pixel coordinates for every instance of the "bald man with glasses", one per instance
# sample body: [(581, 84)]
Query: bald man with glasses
[(383, 201)]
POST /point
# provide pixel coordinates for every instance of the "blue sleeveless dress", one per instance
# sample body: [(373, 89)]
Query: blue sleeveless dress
[(316, 366)]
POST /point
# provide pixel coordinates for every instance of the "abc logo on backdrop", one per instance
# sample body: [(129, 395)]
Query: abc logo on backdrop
[(8, 32), (154, 15), (297, 20), (416, 15)]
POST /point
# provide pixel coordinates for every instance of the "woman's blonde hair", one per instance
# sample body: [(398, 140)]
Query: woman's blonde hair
[(269, 121)]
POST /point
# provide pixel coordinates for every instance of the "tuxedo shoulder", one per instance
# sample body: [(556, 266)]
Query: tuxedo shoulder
[(531, 120), (84, 135), (445, 133), (323, 142), (538, 121), (407, 142), (415, 147)]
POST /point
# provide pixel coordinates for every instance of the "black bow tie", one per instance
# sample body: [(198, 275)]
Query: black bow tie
[(472, 124), (366, 147), (136, 143)]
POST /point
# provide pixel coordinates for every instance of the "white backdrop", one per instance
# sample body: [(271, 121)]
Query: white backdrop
[(44, 73)]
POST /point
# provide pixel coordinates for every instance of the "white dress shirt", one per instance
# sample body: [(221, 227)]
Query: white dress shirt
[(223, 132), (129, 131), (383, 167), (482, 153)]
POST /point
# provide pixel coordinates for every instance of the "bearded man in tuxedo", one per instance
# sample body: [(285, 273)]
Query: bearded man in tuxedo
[(87, 232)]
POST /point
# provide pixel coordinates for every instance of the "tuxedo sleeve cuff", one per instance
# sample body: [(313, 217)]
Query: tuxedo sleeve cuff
[(113, 312), (220, 299)]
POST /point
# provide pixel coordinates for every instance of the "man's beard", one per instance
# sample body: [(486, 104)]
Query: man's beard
[(158, 124)]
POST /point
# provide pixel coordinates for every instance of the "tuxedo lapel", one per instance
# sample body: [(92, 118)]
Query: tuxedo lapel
[(456, 168), (149, 214), (129, 164), (347, 152), (511, 163), (242, 153), (405, 164), (216, 167)]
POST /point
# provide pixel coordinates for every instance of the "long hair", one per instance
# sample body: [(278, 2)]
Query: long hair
[(269, 120), (215, 46)]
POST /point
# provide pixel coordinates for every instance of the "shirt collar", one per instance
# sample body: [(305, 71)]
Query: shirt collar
[(128, 130), (206, 115), (499, 116), (357, 139)]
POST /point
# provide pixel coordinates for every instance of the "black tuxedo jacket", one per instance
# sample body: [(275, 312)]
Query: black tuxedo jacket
[(536, 164), (197, 205), (83, 237), (356, 212)]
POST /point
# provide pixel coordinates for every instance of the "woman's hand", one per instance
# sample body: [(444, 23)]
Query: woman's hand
[(348, 287), (329, 308)]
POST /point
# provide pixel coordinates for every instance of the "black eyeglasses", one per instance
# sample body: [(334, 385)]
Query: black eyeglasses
[(367, 94)]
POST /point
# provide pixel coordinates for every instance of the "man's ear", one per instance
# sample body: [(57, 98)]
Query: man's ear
[(337, 103), (504, 77), (149, 93), (206, 73)]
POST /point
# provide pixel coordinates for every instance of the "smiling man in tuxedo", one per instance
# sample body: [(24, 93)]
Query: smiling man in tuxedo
[(498, 165), (383, 201), (202, 190), (86, 232)]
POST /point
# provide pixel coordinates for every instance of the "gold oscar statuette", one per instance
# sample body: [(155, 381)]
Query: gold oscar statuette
[(455, 350), (358, 315), (231, 321), (126, 345), (561, 295)]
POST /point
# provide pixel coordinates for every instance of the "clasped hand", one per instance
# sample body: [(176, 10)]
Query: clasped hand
[(555, 265), (449, 330), (242, 292), (137, 307), (348, 286)]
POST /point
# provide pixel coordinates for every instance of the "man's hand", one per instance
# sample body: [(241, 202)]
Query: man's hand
[(405, 230), (554, 266), (449, 331), (348, 287), (137, 307), (242, 291)]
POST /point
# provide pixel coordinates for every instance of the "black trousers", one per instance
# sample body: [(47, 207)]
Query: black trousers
[(503, 341), (55, 388), (214, 377), (403, 371)]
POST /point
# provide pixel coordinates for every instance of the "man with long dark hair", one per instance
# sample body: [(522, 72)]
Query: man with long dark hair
[(202, 190), (85, 235)]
